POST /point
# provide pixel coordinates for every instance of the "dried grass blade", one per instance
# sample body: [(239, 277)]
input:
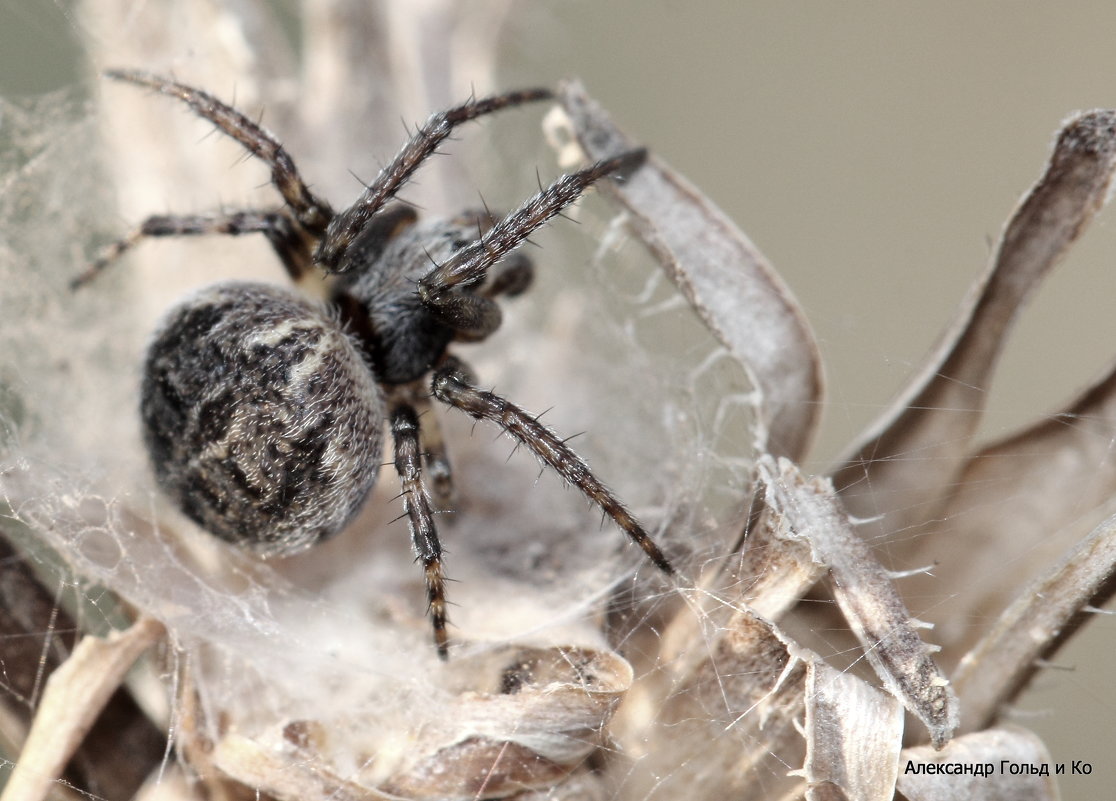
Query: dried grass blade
[(36, 632), (1043, 616), (853, 736), (722, 274), (866, 595), (916, 450), (75, 695), (1026, 499)]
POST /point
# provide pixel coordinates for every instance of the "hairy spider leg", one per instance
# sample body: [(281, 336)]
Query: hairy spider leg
[(344, 229), (306, 210), (450, 386), (435, 457), (473, 316), (310, 211), (420, 518), (509, 277), (292, 231), (275, 225)]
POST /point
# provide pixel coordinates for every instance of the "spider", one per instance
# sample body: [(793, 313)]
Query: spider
[(263, 412)]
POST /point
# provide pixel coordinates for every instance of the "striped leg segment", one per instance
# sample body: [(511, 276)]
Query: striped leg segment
[(451, 388), (420, 517)]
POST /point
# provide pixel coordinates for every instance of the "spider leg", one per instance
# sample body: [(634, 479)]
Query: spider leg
[(275, 225), (442, 289), (510, 277), (347, 226), (311, 211), (420, 516), (435, 457), (450, 386), (473, 316)]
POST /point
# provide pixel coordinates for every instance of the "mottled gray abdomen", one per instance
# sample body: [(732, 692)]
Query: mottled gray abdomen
[(263, 422)]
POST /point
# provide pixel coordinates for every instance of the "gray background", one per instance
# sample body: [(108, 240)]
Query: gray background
[(873, 151)]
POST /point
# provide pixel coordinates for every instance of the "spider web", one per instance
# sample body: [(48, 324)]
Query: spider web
[(335, 635), (339, 633)]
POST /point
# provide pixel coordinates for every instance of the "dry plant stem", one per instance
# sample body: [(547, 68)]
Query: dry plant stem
[(916, 450), (745, 693), (74, 697), (1044, 615), (379, 62), (347, 57), (772, 571), (853, 736), (722, 274), (123, 745), (1009, 493), (809, 511)]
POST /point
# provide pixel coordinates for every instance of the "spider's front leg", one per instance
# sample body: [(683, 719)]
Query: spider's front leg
[(444, 289), (308, 209), (347, 227), (420, 517), (292, 231), (451, 386)]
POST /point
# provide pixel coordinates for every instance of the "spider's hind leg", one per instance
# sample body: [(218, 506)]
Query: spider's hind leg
[(435, 457), (451, 386), (420, 517)]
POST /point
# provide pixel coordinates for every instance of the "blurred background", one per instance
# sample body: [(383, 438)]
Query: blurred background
[(873, 152)]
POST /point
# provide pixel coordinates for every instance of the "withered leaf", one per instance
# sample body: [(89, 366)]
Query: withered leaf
[(913, 454), (721, 273), (853, 736), (868, 599), (1029, 498), (521, 719), (1041, 618)]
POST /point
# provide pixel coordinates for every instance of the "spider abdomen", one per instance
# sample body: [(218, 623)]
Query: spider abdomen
[(263, 422)]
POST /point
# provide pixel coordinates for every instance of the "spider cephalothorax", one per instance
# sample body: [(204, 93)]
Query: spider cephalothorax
[(264, 412)]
